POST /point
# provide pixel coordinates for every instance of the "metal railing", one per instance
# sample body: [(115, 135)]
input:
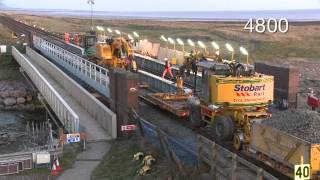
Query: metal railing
[(92, 74), (64, 112)]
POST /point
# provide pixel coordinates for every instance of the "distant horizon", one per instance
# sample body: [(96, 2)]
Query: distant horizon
[(243, 15), (163, 5), (160, 11)]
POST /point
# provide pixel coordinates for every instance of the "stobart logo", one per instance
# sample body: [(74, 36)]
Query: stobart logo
[(244, 90)]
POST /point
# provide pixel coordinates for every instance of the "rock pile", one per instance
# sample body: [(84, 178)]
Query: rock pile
[(14, 96), (301, 123)]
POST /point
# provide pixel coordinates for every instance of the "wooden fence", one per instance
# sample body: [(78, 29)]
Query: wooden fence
[(226, 165)]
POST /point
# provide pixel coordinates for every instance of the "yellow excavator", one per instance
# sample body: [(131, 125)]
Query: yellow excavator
[(115, 52)]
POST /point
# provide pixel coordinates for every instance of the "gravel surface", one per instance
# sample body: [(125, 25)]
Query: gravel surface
[(301, 123)]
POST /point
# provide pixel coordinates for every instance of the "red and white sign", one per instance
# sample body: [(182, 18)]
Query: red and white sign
[(128, 127)]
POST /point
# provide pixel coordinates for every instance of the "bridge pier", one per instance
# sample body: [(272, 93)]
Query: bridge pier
[(124, 96)]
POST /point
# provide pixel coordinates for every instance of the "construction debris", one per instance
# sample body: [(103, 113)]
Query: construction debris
[(138, 156), (144, 170), (147, 162), (302, 123)]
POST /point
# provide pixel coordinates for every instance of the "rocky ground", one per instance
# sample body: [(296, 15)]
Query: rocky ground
[(18, 106), (13, 135)]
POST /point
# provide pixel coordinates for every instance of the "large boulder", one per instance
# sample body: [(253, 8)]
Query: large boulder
[(21, 100), (18, 93), (29, 98), (4, 94), (10, 101)]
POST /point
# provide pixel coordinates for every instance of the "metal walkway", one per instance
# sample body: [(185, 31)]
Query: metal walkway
[(90, 73), (72, 114)]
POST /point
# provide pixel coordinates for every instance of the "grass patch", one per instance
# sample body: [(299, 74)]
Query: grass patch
[(69, 155), (36, 171), (271, 50), (118, 163)]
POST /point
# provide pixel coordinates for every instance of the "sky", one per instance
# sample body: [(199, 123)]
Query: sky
[(165, 5)]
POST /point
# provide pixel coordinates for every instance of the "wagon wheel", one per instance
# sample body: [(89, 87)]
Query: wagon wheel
[(238, 140), (224, 128), (195, 116)]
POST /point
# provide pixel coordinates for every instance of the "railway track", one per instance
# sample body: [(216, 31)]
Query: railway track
[(28, 31)]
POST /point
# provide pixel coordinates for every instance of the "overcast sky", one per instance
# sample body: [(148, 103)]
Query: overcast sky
[(165, 5)]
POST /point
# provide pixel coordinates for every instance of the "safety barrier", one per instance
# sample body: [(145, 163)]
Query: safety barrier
[(154, 50), (92, 74), (65, 113), (15, 162), (104, 116)]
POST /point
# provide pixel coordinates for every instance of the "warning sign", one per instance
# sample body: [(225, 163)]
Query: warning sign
[(73, 137), (131, 127)]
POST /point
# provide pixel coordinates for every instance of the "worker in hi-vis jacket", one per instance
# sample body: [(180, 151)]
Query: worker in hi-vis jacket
[(167, 68)]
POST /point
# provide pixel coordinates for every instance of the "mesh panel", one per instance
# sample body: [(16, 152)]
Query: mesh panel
[(184, 149)]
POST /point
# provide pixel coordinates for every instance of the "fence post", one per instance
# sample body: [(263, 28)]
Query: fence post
[(259, 174), (199, 145), (213, 159), (234, 166)]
